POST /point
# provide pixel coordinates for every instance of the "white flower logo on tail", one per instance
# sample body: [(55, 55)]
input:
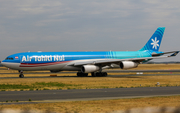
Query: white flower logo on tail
[(155, 43)]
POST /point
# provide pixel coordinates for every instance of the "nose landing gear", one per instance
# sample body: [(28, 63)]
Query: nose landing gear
[(21, 74)]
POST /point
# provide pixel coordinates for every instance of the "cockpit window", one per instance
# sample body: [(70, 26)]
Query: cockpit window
[(9, 58)]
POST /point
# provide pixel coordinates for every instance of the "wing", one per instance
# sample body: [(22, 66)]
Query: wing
[(117, 61)]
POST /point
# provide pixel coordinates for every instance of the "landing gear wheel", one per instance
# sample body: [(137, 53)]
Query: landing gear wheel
[(99, 74), (93, 74), (21, 76), (80, 74), (104, 74), (85, 74)]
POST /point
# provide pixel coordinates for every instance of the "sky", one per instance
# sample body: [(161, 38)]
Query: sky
[(87, 25)]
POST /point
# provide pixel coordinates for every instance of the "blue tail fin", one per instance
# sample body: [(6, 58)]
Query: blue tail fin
[(155, 40)]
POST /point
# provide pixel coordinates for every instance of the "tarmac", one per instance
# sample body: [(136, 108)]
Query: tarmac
[(86, 94), (45, 96)]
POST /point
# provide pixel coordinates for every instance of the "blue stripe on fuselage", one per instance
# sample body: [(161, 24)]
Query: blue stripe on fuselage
[(49, 57)]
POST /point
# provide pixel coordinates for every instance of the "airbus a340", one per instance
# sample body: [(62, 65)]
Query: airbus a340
[(87, 62)]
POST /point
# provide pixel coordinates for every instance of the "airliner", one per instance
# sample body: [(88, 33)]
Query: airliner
[(88, 62)]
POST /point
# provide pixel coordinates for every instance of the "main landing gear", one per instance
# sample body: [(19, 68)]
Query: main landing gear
[(21, 74), (80, 74), (99, 74), (93, 74)]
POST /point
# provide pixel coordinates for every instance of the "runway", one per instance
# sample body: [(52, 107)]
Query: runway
[(87, 94), (108, 71), (167, 72)]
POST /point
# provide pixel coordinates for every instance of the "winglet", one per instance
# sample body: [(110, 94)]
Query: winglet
[(174, 54)]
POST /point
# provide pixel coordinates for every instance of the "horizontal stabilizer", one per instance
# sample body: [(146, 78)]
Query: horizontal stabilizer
[(159, 54), (174, 54)]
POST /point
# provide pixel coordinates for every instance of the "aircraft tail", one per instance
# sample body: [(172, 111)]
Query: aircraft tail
[(155, 40)]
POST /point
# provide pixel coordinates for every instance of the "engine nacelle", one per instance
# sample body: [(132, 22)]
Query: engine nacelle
[(128, 64), (89, 68)]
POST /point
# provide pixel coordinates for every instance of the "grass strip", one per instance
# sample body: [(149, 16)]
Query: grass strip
[(42, 85), (51, 84), (14, 86)]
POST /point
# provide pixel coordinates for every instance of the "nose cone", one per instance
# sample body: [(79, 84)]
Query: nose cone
[(9, 64), (5, 63), (2, 63)]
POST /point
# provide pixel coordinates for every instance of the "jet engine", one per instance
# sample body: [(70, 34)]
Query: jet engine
[(128, 64), (89, 68)]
